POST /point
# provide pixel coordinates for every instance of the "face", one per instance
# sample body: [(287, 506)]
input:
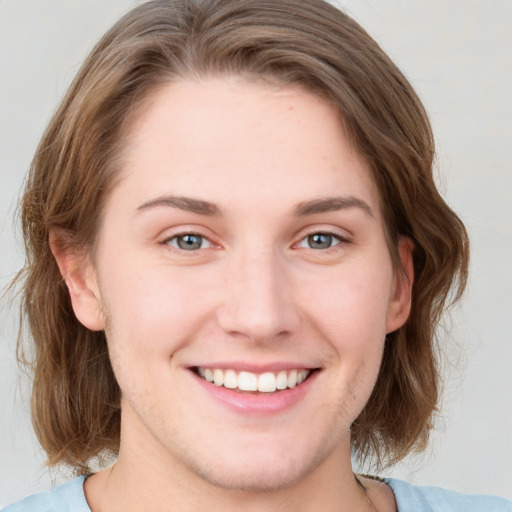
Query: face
[(244, 245)]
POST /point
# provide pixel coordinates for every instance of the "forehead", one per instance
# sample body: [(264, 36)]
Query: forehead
[(232, 139)]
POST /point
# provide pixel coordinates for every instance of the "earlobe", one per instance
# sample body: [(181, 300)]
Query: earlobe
[(401, 299), (81, 280)]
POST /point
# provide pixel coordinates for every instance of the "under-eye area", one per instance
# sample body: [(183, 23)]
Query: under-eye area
[(244, 381)]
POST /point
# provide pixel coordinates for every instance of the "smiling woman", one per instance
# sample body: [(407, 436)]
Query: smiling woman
[(236, 262)]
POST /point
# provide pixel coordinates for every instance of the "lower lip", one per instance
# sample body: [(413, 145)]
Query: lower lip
[(261, 403)]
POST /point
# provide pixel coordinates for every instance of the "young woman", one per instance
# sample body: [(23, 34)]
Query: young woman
[(237, 259)]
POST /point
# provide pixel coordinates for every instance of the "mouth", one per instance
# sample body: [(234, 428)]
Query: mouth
[(254, 383)]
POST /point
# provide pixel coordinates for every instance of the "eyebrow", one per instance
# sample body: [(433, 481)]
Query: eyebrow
[(331, 204), (183, 203)]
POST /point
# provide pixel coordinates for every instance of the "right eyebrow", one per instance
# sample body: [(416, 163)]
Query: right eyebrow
[(188, 204)]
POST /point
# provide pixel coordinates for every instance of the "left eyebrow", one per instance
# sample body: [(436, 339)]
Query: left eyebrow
[(331, 204), (188, 204)]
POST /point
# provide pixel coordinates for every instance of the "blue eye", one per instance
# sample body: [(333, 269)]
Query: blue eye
[(320, 241), (189, 242)]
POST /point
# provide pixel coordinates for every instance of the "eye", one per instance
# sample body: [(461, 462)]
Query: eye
[(189, 242), (320, 241)]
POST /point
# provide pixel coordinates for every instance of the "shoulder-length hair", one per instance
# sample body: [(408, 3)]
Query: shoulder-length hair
[(76, 400)]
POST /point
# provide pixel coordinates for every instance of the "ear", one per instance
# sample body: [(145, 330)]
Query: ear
[(401, 295), (80, 277)]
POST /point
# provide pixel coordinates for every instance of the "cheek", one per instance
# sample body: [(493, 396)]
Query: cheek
[(153, 310), (352, 304), (351, 316)]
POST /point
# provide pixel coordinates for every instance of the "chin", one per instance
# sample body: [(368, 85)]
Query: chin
[(258, 474), (253, 479)]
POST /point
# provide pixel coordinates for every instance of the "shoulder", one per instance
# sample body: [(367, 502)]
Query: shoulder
[(435, 499), (68, 497)]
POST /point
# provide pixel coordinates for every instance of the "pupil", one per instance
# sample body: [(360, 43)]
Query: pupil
[(320, 241), (190, 242)]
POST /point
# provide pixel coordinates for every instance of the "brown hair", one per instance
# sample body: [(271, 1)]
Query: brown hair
[(76, 400)]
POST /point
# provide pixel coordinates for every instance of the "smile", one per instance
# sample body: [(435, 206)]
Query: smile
[(268, 382)]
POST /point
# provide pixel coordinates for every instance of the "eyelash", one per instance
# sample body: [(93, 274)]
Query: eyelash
[(336, 236)]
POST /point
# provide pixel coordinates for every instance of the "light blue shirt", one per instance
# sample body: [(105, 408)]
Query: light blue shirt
[(69, 497), (411, 498)]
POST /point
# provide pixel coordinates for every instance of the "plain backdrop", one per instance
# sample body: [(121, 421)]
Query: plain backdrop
[(457, 53)]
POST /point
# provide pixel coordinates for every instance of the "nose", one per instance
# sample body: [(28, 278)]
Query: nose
[(258, 298)]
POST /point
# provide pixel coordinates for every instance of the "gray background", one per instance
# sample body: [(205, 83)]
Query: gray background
[(457, 53)]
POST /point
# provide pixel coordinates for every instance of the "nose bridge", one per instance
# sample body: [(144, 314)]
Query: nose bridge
[(258, 303)]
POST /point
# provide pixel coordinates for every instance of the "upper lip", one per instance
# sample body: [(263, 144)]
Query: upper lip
[(241, 366)]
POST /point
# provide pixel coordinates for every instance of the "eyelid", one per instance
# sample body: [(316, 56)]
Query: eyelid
[(341, 234)]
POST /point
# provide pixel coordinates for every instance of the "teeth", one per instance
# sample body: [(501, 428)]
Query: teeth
[(247, 381), (282, 380), (267, 382), (230, 379), (218, 377), (208, 375), (292, 379), (301, 376)]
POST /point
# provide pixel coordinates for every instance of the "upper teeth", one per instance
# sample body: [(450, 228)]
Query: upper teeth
[(246, 381)]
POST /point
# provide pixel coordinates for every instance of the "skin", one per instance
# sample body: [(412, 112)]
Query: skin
[(255, 292)]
